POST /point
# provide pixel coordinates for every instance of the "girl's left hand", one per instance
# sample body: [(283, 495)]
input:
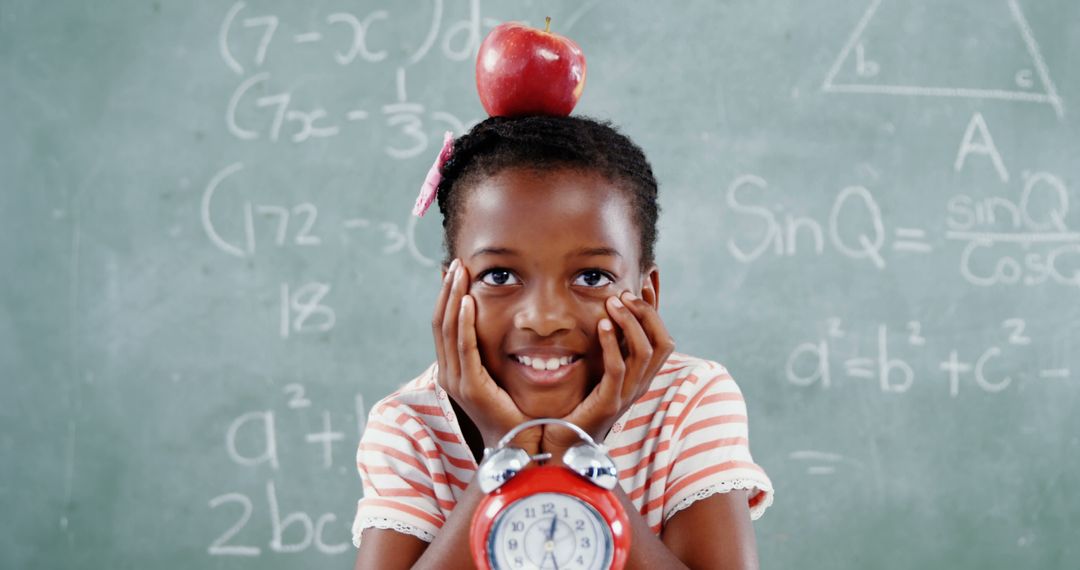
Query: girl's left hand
[(625, 379)]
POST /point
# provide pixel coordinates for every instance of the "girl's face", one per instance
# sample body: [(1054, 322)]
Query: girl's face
[(544, 250)]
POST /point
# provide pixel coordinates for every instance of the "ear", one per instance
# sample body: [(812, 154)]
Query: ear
[(650, 287)]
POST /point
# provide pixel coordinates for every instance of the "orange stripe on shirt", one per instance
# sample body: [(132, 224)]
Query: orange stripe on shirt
[(713, 421), (407, 509), (426, 410), (643, 489), (672, 489), (466, 464), (645, 461), (671, 370), (647, 417), (446, 478), (699, 475), (632, 447), (396, 454), (446, 436), (415, 492), (722, 397), (708, 446), (693, 403), (383, 428), (684, 455)]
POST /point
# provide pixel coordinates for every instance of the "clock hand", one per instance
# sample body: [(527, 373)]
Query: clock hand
[(550, 539)]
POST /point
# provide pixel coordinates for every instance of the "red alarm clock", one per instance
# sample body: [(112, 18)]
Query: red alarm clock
[(552, 516)]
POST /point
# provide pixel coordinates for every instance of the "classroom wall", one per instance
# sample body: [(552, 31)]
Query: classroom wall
[(209, 271)]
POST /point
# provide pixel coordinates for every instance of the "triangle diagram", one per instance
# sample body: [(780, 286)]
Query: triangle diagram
[(944, 48)]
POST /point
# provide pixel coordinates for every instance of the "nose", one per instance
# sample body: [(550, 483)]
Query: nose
[(545, 310)]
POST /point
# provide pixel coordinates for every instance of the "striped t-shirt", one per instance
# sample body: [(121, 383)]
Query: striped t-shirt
[(685, 439)]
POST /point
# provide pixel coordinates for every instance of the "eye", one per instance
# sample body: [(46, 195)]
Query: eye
[(498, 277), (594, 278)]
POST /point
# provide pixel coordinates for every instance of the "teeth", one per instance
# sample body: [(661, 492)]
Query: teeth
[(545, 364)]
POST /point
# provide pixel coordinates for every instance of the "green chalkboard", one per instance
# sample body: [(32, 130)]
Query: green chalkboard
[(209, 272)]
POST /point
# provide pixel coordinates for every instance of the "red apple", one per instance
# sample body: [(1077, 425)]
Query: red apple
[(522, 71)]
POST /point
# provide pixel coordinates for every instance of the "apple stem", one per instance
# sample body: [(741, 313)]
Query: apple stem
[(547, 24)]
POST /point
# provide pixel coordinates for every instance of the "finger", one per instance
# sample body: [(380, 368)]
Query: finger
[(659, 337), (474, 377), (611, 382), (468, 351), (437, 320), (450, 327), (478, 390), (647, 315), (637, 343), (604, 403)]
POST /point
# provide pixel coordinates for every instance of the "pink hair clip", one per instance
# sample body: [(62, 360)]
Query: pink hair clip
[(430, 186)]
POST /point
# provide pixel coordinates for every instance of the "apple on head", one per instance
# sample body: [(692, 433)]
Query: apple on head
[(522, 70)]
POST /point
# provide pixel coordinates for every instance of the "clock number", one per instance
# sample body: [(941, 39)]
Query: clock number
[(549, 508), (513, 544), (517, 526), (585, 542), (519, 562), (579, 525), (581, 560), (530, 513)]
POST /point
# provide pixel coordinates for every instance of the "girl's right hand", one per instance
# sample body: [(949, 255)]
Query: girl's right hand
[(461, 372)]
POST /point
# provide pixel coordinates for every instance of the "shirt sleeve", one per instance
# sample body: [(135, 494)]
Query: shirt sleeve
[(398, 485), (711, 447)]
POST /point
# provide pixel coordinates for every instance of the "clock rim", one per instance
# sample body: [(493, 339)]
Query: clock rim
[(552, 479)]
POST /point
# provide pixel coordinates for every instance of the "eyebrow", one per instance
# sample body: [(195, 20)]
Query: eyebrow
[(582, 252)]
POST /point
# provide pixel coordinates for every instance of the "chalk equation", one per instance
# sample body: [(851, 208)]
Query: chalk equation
[(278, 116), (248, 37), (263, 108), (296, 225), (251, 441), (1021, 240), (838, 354)]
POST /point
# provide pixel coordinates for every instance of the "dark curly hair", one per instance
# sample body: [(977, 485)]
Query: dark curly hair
[(544, 142)]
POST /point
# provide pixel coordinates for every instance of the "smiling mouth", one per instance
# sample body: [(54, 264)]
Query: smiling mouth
[(546, 364)]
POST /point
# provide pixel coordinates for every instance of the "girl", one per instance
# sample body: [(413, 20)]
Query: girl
[(548, 308)]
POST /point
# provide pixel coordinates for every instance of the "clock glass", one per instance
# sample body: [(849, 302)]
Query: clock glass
[(550, 531)]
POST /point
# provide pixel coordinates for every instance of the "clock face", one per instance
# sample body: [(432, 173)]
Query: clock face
[(550, 531)]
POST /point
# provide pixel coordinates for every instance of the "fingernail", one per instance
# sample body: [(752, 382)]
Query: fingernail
[(605, 325), (630, 296), (615, 301), (454, 265)]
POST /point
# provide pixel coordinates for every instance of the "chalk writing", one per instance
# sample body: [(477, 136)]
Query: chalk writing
[(814, 362), (1024, 240), (784, 236), (259, 430), (346, 34), (868, 71), (296, 225), (303, 310)]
